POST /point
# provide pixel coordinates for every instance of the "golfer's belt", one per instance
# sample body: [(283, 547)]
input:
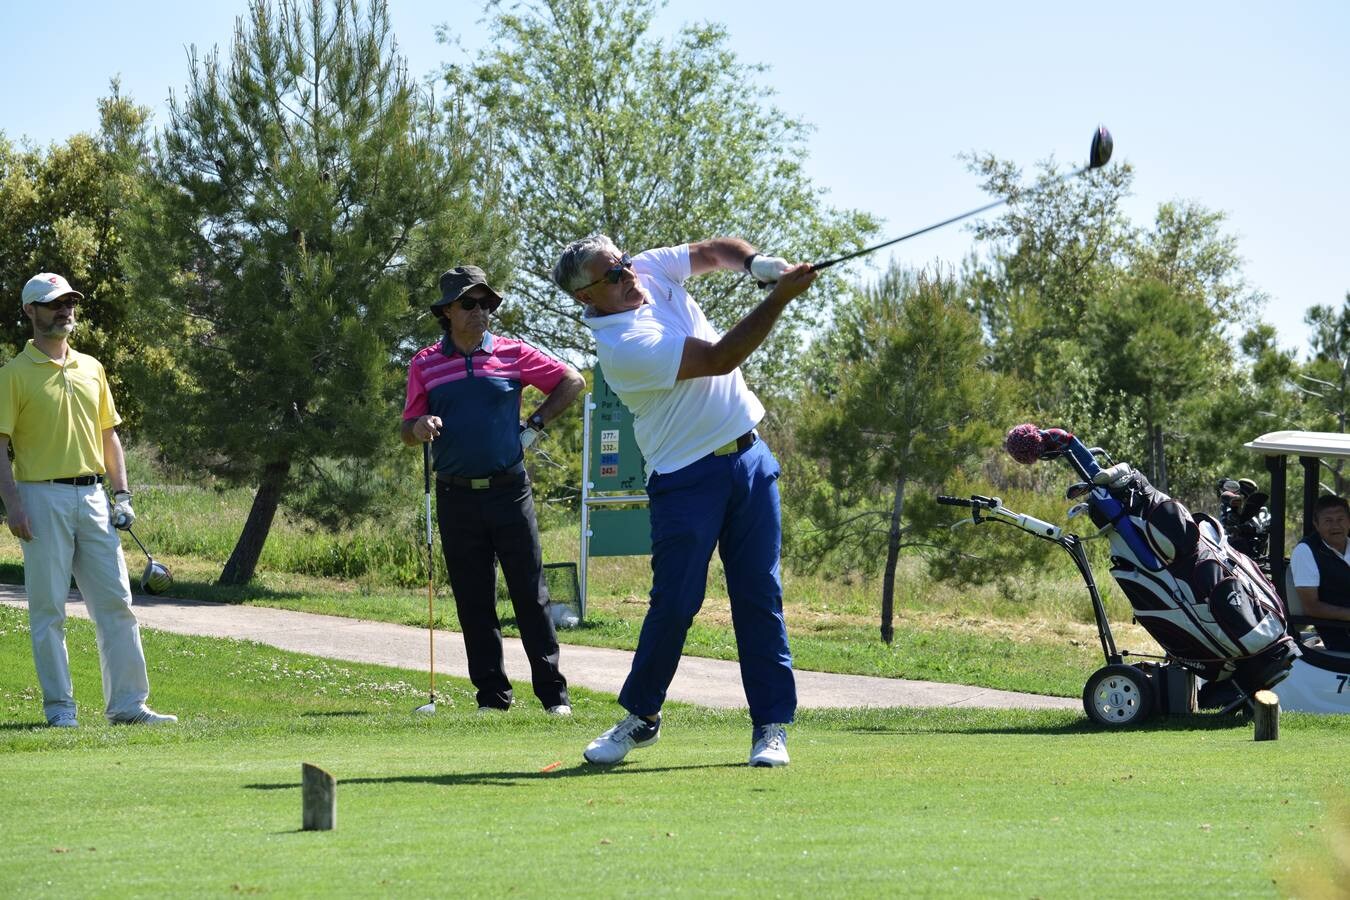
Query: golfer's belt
[(744, 442)]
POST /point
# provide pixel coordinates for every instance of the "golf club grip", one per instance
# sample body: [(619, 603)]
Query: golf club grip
[(944, 500)]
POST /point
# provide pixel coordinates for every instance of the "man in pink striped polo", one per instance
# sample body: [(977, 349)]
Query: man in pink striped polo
[(464, 398)]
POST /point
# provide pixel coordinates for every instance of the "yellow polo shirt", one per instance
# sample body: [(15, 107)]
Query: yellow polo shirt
[(55, 414)]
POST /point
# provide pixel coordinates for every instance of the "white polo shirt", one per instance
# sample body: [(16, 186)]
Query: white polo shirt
[(1303, 564), (675, 422)]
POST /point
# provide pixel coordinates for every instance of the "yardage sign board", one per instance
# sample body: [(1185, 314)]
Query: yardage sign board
[(616, 462)]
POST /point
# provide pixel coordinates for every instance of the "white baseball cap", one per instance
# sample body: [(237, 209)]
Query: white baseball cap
[(44, 287)]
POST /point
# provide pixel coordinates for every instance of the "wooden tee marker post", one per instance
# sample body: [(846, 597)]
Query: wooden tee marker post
[(318, 797), (1266, 715)]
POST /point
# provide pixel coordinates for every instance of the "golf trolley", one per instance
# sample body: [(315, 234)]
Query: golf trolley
[(1209, 607), (1118, 694)]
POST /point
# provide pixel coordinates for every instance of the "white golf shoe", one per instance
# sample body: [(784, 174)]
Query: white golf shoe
[(562, 709), (631, 733), (770, 746), (146, 716)]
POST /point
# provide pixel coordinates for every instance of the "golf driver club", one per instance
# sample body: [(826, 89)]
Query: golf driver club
[(156, 579), (429, 707), (1098, 156)]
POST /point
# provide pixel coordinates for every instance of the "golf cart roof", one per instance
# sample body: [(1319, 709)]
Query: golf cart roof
[(1301, 443)]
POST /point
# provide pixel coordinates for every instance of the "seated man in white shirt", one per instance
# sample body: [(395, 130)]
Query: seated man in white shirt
[(1321, 569)]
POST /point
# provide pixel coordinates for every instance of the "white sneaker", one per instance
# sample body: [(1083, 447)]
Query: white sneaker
[(562, 709), (770, 747), (64, 720), (147, 716), (631, 732)]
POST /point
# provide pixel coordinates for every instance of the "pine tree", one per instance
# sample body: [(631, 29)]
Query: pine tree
[(306, 191)]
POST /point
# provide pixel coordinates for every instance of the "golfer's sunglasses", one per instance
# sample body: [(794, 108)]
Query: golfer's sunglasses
[(471, 303), (612, 274), (67, 303)]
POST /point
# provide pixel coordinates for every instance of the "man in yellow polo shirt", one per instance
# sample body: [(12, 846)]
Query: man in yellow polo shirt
[(57, 413)]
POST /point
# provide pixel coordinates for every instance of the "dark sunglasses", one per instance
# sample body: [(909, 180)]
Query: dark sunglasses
[(471, 303), (612, 274), (68, 303)]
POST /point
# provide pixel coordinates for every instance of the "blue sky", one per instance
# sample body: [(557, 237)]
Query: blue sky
[(1240, 106)]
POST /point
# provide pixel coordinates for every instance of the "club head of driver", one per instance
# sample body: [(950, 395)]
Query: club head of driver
[(1100, 154), (156, 579), (425, 709)]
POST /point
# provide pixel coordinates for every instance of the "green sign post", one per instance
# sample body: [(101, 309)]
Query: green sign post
[(614, 519)]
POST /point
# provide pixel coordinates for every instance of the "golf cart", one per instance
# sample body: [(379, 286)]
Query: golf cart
[(1320, 681)]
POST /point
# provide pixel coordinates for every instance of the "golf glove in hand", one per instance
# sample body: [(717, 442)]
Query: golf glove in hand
[(528, 435), (122, 513), (767, 269)]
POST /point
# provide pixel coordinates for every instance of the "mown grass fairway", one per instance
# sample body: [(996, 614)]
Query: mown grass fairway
[(875, 803)]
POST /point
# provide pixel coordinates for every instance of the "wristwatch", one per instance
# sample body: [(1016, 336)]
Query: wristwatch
[(536, 422)]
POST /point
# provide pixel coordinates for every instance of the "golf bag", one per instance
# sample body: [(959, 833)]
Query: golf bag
[(1207, 604)]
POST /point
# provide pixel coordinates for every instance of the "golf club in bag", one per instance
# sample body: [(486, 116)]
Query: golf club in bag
[(1099, 154), (429, 707), (156, 577)]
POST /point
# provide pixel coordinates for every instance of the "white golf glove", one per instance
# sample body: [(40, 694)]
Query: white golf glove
[(767, 269), (122, 514), (528, 435)]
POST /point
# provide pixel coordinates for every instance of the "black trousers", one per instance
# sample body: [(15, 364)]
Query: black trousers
[(478, 529)]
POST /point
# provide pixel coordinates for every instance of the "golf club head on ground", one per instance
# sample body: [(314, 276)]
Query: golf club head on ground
[(426, 709), (156, 578)]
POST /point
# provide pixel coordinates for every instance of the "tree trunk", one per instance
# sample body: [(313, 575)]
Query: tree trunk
[(892, 557), (244, 560), (1159, 459)]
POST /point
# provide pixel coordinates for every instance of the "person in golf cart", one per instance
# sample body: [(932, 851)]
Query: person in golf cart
[(57, 413), (464, 398), (1320, 565)]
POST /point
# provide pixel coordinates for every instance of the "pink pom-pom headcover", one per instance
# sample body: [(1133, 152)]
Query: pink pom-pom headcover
[(1023, 443), (1027, 444)]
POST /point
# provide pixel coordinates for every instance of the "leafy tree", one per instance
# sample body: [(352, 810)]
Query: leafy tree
[(1155, 344), (1058, 244), (1188, 251), (902, 398), (60, 211), (604, 127), (1324, 382), (305, 190)]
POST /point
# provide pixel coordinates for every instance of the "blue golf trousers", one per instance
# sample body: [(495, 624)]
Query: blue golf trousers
[(730, 502)]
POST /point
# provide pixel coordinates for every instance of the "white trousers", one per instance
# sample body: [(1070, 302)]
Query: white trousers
[(72, 535)]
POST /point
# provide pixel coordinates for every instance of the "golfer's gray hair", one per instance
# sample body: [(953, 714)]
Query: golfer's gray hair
[(569, 273)]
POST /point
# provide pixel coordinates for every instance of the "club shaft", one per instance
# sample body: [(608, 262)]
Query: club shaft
[(431, 576), (139, 544), (945, 222)]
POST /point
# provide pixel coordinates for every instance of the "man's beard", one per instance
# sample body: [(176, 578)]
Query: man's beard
[(57, 329)]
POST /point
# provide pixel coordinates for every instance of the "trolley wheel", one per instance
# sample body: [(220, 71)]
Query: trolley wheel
[(1118, 696)]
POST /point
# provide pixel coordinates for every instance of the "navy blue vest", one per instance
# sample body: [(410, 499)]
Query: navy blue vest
[(1333, 570)]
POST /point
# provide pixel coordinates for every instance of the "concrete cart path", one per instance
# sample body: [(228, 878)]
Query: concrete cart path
[(707, 682)]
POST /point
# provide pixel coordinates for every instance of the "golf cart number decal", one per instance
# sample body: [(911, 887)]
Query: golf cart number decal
[(1340, 683)]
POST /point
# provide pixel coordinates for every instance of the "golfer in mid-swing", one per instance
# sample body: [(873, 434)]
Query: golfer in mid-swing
[(711, 482)]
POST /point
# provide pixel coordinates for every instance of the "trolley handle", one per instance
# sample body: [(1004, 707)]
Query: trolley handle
[(975, 501)]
